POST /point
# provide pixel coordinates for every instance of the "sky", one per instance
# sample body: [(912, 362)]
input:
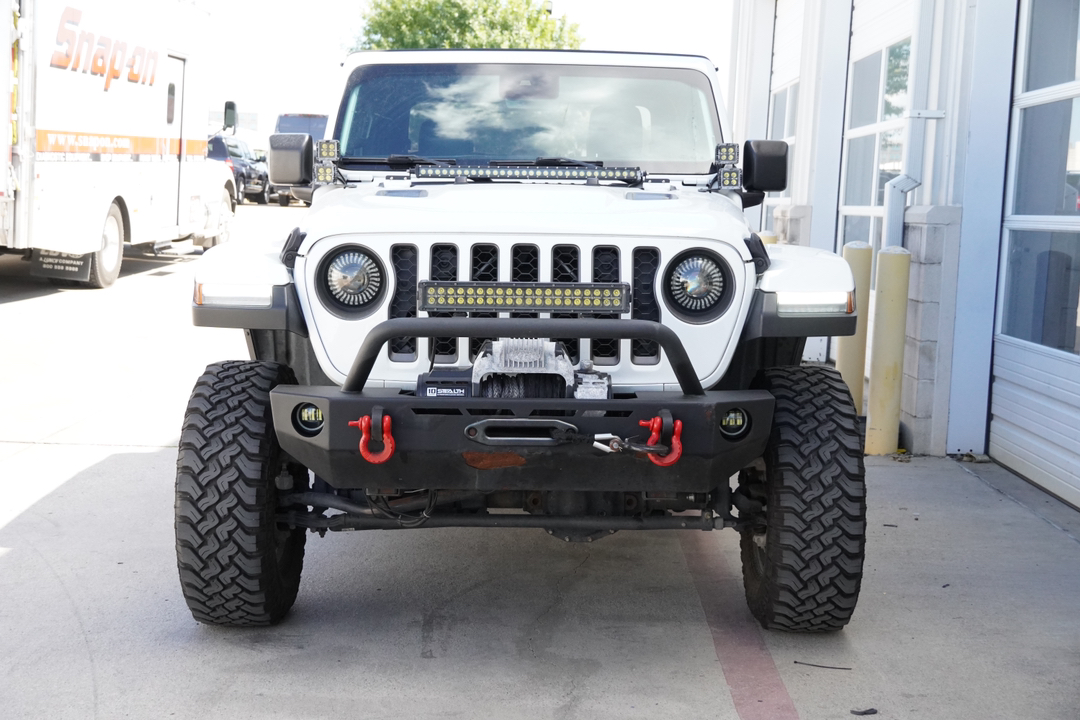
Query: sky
[(270, 57)]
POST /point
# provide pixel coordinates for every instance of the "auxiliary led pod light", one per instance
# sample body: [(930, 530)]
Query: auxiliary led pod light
[(483, 172), (727, 153), (327, 150), (583, 298)]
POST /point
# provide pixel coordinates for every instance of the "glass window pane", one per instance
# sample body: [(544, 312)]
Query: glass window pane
[(793, 109), (890, 160), (865, 86), (1042, 288), (1053, 37), (779, 113), (896, 81), (1048, 159), (856, 228), (860, 170), (768, 213)]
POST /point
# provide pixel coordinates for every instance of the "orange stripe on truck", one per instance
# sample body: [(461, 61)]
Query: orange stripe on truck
[(77, 142)]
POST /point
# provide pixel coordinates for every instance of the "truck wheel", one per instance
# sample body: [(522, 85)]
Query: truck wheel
[(225, 218), (802, 552), (238, 566), (283, 199), (264, 197), (240, 190), (105, 263)]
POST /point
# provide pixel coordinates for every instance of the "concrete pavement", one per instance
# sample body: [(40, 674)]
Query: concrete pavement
[(970, 606)]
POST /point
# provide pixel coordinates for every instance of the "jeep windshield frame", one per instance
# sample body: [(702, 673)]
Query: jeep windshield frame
[(662, 120)]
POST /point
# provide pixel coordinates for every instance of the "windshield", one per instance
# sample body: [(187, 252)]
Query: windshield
[(658, 119), (313, 125)]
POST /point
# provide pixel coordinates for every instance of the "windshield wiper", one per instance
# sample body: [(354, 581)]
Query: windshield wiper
[(400, 160), (548, 162)]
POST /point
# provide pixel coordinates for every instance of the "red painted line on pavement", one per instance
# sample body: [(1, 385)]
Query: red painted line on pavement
[(755, 685)]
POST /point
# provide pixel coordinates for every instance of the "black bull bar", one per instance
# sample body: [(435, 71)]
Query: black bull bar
[(434, 447)]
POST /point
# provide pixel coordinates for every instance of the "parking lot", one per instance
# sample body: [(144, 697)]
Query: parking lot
[(970, 605)]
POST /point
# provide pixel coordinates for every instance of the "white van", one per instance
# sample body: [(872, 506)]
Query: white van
[(107, 142)]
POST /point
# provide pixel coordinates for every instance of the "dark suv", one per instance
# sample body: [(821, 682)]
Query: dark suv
[(250, 174)]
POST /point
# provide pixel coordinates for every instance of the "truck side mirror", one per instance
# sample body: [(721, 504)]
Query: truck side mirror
[(765, 165), (292, 159), (230, 115)]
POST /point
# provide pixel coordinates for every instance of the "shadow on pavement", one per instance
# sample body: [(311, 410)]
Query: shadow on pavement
[(16, 282)]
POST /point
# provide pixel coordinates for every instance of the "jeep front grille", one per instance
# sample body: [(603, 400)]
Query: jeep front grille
[(566, 267), (644, 303), (444, 266), (605, 351), (525, 266), (403, 303), (484, 268)]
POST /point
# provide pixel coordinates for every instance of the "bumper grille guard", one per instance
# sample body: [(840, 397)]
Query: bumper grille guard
[(523, 328)]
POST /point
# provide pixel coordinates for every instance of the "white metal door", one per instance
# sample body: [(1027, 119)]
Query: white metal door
[(1035, 395)]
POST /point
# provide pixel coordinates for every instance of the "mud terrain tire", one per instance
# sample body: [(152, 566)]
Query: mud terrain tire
[(237, 565), (802, 555)]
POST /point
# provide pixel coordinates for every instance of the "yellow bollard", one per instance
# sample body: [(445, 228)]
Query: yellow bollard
[(887, 350), (851, 349)]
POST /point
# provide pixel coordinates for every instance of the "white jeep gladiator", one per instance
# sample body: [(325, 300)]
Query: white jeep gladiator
[(525, 296)]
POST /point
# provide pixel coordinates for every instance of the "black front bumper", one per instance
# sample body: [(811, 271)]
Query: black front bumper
[(434, 451), (437, 446)]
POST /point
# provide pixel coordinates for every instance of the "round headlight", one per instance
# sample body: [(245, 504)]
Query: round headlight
[(697, 283), (353, 279)]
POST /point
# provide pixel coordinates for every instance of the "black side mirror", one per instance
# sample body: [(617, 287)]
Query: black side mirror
[(765, 165), (292, 159), (230, 115)]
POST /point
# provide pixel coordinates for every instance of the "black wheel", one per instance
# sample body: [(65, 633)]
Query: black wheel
[(105, 263), (264, 197), (283, 199), (240, 190), (802, 551), (238, 566)]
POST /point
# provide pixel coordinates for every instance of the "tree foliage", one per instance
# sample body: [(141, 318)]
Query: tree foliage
[(401, 24)]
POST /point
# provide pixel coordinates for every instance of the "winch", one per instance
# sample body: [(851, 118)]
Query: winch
[(517, 368)]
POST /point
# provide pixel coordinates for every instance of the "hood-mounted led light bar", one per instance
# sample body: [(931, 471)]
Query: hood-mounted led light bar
[(530, 172)]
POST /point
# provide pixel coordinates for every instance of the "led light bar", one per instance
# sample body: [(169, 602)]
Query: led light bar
[(327, 150), (584, 298), (730, 177), (529, 172), (727, 153)]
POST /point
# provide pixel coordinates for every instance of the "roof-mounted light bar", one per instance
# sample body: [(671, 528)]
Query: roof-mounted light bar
[(584, 298), (529, 172)]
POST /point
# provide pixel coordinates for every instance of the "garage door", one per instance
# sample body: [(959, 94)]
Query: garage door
[(1035, 397)]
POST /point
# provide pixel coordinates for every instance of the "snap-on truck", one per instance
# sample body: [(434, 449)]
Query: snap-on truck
[(106, 142), (525, 296)]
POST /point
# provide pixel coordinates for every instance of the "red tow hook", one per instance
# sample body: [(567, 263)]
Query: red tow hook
[(656, 427), (364, 424)]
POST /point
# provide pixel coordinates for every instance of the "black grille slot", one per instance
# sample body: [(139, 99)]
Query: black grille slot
[(605, 351), (566, 267), (403, 303), (645, 305), (444, 266), (484, 268), (525, 267)]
